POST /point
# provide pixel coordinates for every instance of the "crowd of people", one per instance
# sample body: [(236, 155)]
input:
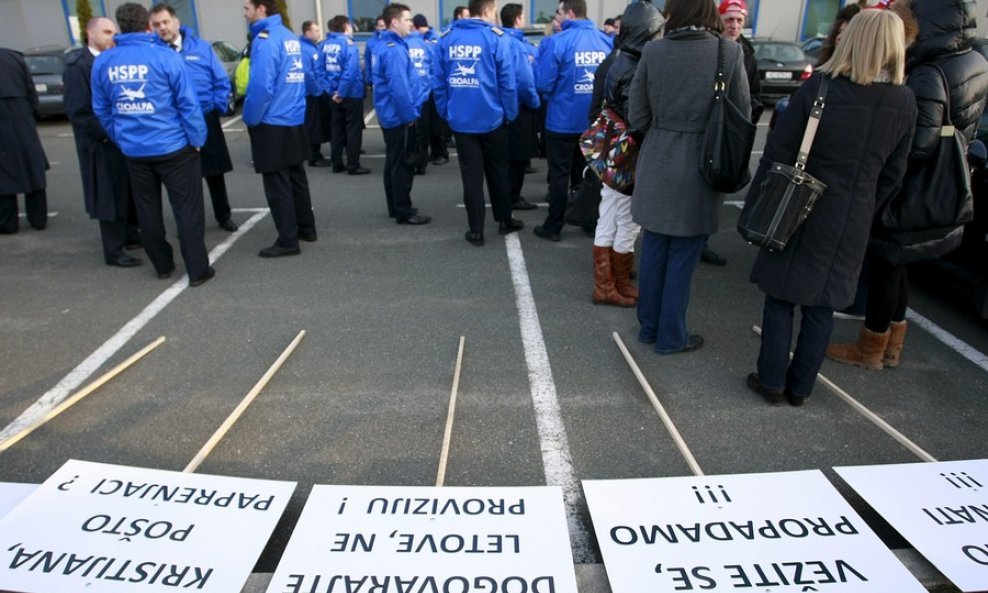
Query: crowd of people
[(145, 99)]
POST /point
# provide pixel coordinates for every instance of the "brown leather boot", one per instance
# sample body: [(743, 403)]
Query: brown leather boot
[(897, 338), (623, 263), (604, 291), (867, 352)]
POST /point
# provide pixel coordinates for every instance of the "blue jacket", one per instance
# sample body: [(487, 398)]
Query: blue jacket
[(475, 84), (211, 82), (333, 52), (144, 99), (368, 53), (564, 74), (396, 84), (312, 63), (423, 54), (351, 84), (523, 54), (276, 91)]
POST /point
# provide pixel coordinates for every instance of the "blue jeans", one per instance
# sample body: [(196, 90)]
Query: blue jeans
[(775, 371), (667, 265)]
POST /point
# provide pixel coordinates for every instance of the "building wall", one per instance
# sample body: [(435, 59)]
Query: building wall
[(31, 23)]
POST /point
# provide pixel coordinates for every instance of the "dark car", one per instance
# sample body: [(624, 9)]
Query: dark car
[(47, 65), (812, 47), (782, 67), (230, 57)]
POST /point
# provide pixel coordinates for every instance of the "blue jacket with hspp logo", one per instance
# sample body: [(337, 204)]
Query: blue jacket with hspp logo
[(523, 55), (211, 82), (333, 55), (276, 91), (144, 99), (475, 84), (351, 85), (312, 62), (564, 74), (396, 84), (423, 56)]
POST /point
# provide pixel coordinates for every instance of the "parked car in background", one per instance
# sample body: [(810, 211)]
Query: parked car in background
[(229, 55), (46, 65), (782, 67), (812, 47)]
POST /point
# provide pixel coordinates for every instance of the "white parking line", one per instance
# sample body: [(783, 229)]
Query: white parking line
[(557, 462), (231, 121), (94, 361), (369, 117)]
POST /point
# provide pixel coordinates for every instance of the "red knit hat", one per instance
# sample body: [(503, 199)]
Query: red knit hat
[(734, 6)]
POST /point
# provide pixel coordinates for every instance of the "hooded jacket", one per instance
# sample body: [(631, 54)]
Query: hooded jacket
[(210, 80), (523, 54), (396, 84), (640, 24), (312, 60), (564, 74), (276, 91), (332, 53), (945, 39)]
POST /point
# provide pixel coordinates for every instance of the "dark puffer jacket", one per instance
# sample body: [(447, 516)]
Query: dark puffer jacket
[(946, 36), (640, 24)]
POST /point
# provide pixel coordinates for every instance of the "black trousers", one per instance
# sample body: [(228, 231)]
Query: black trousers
[(219, 197), (888, 294), (287, 193), (347, 132), (398, 175), (516, 178), (437, 131), (35, 205), (484, 156), (181, 174), (563, 173)]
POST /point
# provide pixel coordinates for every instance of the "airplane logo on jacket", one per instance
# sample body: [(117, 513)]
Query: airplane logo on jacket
[(462, 70), (588, 76), (133, 94), (297, 64)]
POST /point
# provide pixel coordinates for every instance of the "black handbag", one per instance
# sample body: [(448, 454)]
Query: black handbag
[(776, 208), (728, 138), (937, 193), (583, 207)]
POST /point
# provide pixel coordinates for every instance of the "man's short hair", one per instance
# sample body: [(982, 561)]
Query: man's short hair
[(579, 7), (270, 6), (132, 18), (306, 26), (393, 11), (338, 23), (477, 7), (510, 13), (458, 12), (163, 7)]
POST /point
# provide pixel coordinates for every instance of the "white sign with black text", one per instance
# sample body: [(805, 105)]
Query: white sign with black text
[(783, 532), (391, 539), (941, 508), (11, 494), (109, 528)]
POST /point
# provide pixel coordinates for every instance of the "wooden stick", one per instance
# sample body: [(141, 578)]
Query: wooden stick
[(239, 410), (69, 401), (447, 436), (666, 420)]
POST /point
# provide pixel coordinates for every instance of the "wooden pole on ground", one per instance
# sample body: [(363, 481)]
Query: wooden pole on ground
[(448, 434)]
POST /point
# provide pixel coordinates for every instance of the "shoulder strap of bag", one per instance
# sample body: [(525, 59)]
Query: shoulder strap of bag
[(947, 126), (813, 123), (720, 81)]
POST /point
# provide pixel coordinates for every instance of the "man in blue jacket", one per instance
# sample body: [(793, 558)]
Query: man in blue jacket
[(423, 55), (476, 91), (347, 97), (144, 99), (379, 27), (315, 101), (396, 90), (274, 113), (212, 85), (523, 140), (564, 75)]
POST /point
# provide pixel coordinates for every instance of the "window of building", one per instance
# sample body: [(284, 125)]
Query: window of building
[(542, 11), (185, 10), (364, 13), (818, 16), (72, 19)]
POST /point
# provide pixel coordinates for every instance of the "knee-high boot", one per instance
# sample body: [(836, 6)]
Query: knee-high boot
[(623, 263), (604, 290)]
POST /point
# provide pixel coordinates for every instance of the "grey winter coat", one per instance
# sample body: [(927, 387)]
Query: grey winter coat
[(860, 153), (669, 100)]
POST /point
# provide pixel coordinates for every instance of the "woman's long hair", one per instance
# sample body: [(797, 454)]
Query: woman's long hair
[(692, 13), (871, 50)]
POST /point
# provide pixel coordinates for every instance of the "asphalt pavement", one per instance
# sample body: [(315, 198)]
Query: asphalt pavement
[(364, 398)]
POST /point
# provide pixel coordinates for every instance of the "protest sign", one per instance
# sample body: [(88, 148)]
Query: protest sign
[(11, 494)]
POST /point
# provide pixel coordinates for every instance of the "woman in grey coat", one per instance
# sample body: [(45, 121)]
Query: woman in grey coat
[(860, 154), (669, 101)]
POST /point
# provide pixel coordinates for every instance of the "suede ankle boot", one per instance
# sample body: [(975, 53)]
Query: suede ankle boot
[(604, 290), (623, 262), (897, 337), (867, 352)]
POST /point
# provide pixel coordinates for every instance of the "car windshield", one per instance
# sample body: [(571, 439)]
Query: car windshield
[(45, 64), (779, 52)]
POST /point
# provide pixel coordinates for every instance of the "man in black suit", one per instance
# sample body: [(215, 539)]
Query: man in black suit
[(105, 183)]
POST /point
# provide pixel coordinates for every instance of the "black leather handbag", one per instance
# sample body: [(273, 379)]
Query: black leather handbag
[(775, 209), (936, 194), (728, 138)]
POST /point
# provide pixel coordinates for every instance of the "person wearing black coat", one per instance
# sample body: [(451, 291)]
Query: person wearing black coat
[(859, 153), (22, 159), (102, 167), (944, 40)]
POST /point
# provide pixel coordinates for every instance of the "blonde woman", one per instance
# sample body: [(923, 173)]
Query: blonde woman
[(860, 153)]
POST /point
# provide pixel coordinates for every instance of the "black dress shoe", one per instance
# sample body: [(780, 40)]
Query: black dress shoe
[(795, 400), (541, 232), (415, 219), (132, 244), (509, 226), (358, 171), (320, 162), (228, 225), (210, 272), (713, 258), (309, 236), (124, 261), (338, 168), (476, 239), (278, 251), (440, 160), (166, 274), (773, 397), (521, 203)]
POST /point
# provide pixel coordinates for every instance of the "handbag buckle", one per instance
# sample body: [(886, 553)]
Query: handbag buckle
[(946, 131)]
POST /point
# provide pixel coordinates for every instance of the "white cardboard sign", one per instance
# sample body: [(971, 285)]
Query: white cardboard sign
[(11, 494), (390, 539), (779, 532), (108, 528), (941, 508)]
